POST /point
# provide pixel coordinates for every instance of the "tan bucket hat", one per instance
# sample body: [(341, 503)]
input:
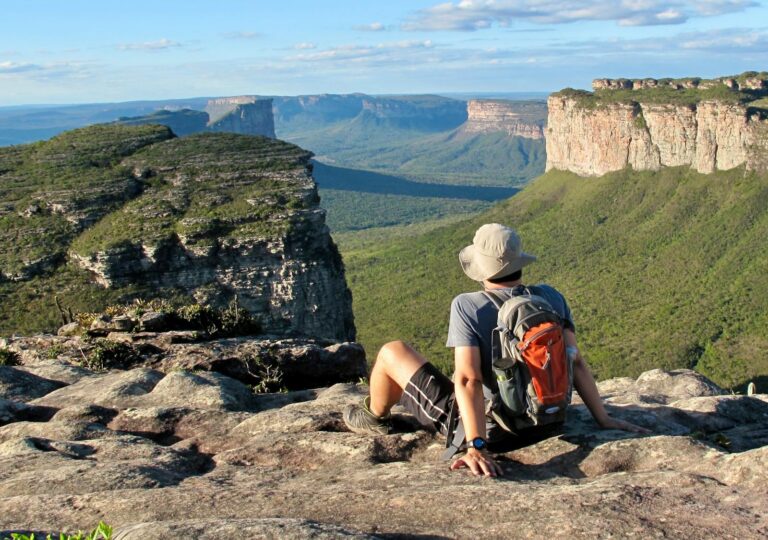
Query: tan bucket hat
[(496, 251)]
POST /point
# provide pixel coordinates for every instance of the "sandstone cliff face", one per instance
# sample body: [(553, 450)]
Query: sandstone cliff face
[(514, 118), (595, 139), (217, 223), (248, 115)]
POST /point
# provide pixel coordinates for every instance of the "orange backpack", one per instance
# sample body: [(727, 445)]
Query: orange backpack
[(534, 376)]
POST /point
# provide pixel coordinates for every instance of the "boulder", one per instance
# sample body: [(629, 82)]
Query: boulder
[(69, 330), (153, 321), (17, 384)]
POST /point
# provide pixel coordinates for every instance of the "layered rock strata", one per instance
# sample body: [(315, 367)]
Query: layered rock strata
[(591, 137), (228, 216), (183, 453), (248, 115), (208, 217), (517, 119)]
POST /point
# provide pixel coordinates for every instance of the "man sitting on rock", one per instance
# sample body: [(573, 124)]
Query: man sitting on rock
[(402, 375)]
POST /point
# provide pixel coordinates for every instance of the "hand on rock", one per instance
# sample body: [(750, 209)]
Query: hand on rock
[(479, 464), (615, 423)]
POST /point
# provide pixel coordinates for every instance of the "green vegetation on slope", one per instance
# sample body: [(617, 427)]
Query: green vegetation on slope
[(357, 199), (351, 210), (489, 159), (203, 187), (49, 190), (96, 188), (662, 269)]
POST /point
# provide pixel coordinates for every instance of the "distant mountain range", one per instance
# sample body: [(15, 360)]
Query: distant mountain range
[(416, 138)]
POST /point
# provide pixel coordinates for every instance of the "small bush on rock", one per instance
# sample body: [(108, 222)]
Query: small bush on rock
[(230, 321), (54, 351), (110, 354), (267, 375), (8, 358)]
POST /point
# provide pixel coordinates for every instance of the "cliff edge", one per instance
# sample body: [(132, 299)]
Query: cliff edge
[(108, 213), (710, 125)]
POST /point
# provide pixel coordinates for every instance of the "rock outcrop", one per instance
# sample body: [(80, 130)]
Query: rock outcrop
[(746, 81), (249, 115), (180, 453), (245, 223), (592, 134), (211, 216), (517, 119)]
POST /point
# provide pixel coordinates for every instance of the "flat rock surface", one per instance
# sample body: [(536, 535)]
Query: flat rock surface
[(189, 454)]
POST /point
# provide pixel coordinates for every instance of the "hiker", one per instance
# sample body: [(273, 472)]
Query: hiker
[(402, 375)]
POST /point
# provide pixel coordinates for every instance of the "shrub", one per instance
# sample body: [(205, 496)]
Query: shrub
[(266, 373), (8, 358), (230, 321), (110, 354), (54, 351)]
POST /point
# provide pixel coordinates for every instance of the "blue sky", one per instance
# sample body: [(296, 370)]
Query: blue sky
[(77, 51)]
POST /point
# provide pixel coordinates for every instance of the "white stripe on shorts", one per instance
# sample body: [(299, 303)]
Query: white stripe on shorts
[(426, 413)]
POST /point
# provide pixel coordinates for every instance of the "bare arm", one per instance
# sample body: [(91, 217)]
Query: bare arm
[(468, 383), (585, 385)]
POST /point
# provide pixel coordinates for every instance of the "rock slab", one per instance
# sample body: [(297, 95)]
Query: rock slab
[(194, 455)]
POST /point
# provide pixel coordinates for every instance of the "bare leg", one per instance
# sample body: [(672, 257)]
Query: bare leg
[(394, 367)]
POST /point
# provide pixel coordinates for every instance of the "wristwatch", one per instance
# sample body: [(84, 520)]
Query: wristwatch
[(478, 443)]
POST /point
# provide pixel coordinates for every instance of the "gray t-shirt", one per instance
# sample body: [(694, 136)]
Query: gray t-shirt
[(473, 318)]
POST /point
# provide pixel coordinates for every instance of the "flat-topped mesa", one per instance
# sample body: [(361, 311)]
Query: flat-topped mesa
[(134, 211), (249, 115), (227, 216), (425, 112), (647, 124), (517, 119)]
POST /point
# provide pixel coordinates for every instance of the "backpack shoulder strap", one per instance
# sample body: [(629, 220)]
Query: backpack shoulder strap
[(498, 301), (494, 298)]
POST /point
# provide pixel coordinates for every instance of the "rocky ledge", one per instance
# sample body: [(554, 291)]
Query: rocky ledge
[(180, 453)]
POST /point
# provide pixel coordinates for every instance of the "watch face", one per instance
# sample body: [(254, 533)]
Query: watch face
[(479, 443)]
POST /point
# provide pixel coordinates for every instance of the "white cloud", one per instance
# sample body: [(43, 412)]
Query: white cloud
[(158, 45), (304, 46), (373, 27), (18, 67), (472, 15), (362, 53), (727, 41), (42, 72), (732, 41)]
